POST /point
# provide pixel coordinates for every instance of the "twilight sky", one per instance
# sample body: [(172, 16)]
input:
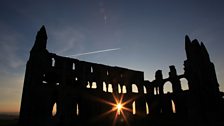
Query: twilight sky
[(149, 33)]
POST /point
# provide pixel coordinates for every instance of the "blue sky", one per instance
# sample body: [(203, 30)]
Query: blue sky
[(149, 33)]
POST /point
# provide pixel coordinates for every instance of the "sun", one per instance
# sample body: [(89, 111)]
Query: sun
[(119, 107)]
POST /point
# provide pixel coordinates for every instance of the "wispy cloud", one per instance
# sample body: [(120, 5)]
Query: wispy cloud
[(10, 57), (66, 40)]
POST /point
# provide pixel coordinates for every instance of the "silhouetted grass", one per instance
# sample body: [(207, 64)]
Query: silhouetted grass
[(9, 122)]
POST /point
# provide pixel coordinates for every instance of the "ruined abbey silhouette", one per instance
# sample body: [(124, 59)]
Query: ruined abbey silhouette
[(82, 90)]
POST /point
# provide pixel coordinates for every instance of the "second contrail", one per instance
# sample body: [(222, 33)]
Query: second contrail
[(94, 52)]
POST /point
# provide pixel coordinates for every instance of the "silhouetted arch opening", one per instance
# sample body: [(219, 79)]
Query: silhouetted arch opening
[(44, 82), (133, 108), (77, 109), (134, 88), (107, 73), (167, 87), (53, 62), (147, 108), (173, 106), (124, 90), (73, 66), (104, 87), (88, 85), (91, 69), (54, 109), (76, 78), (155, 91), (144, 90), (184, 84), (119, 88), (110, 88), (94, 85)]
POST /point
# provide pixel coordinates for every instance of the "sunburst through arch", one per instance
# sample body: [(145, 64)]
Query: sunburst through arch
[(118, 108)]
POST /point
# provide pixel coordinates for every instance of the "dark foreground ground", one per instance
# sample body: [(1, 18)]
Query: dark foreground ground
[(8, 119), (12, 120)]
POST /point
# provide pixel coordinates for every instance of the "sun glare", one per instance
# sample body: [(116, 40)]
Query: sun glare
[(119, 107)]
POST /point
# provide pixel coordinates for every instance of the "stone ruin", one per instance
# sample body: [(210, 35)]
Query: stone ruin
[(84, 93)]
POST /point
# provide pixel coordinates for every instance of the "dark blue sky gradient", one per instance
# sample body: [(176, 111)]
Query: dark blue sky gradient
[(149, 33)]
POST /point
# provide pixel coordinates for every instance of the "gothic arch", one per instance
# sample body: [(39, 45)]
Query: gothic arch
[(134, 88), (119, 88), (144, 90), (54, 110), (147, 108), (184, 84), (110, 88), (124, 89), (133, 108), (167, 87)]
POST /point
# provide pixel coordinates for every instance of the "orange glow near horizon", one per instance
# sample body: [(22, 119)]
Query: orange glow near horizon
[(10, 108)]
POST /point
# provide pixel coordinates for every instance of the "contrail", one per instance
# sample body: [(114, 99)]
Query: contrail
[(94, 52)]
